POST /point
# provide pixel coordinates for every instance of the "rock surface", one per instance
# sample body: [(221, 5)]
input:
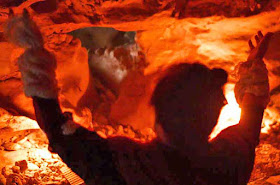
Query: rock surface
[(27, 165), (212, 32), (205, 35)]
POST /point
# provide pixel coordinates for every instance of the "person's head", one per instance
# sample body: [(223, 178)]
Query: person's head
[(187, 102)]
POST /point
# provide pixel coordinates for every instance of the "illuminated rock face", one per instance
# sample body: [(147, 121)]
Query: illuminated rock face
[(217, 41), (213, 32)]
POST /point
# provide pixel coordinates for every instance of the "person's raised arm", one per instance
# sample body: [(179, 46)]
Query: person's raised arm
[(252, 95), (236, 144), (85, 152), (252, 88)]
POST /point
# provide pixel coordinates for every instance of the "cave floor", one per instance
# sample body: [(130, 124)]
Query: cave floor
[(24, 154), (22, 140)]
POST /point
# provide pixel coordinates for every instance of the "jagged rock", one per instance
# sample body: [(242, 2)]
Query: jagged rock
[(2, 180), (101, 37), (16, 179), (22, 165), (267, 162), (12, 146), (71, 56), (32, 166), (163, 43), (16, 169)]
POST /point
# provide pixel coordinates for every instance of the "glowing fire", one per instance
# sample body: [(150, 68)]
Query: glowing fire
[(230, 113)]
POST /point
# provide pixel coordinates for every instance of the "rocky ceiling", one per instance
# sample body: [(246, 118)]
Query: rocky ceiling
[(213, 32)]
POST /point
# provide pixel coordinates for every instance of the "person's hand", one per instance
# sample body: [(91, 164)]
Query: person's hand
[(257, 52), (37, 65), (252, 75)]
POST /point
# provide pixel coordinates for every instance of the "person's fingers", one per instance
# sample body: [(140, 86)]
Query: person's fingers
[(251, 45), (265, 41), (260, 34), (257, 39), (263, 45)]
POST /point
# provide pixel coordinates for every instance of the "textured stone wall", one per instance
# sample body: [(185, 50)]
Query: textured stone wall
[(211, 32)]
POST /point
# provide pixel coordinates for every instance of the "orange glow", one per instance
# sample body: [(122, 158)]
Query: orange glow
[(44, 153), (230, 113), (270, 118), (84, 119), (214, 41)]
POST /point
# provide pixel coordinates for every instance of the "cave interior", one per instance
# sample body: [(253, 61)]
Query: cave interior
[(110, 54)]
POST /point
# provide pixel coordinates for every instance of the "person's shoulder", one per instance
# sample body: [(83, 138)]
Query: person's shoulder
[(228, 134), (232, 142)]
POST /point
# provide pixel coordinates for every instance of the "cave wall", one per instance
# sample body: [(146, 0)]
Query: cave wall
[(212, 32)]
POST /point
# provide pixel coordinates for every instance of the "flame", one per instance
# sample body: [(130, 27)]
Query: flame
[(230, 113)]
